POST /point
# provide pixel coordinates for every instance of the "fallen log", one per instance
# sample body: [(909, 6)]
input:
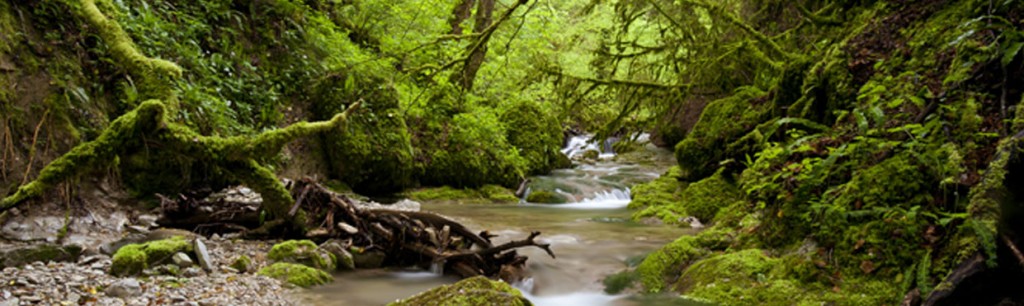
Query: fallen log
[(423, 239)]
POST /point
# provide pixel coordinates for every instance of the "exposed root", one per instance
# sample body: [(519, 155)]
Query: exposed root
[(32, 148)]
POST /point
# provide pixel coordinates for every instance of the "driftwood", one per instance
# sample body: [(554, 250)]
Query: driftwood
[(423, 239)]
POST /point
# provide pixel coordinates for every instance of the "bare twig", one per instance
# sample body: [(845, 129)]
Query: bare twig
[(32, 149)]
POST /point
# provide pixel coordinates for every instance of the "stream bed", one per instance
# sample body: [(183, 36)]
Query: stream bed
[(592, 237)]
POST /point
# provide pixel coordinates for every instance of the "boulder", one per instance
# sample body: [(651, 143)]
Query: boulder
[(471, 291)]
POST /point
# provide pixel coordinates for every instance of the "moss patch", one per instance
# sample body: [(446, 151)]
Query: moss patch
[(297, 274), (242, 263), (670, 200), (722, 121), (133, 258), (472, 291), (483, 194), (546, 197), (303, 252)]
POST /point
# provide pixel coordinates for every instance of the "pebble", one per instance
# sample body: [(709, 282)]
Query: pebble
[(182, 260), (203, 255), (125, 288), (65, 283)]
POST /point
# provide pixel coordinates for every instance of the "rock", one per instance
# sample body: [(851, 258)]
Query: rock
[(303, 252), (243, 263), (351, 230), (203, 255), (133, 258), (88, 260), (296, 274), (182, 260), (11, 302), (342, 257), (169, 270), (124, 288), (548, 197), (39, 253), (367, 259), (692, 221), (138, 229), (476, 290), (193, 272), (147, 220)]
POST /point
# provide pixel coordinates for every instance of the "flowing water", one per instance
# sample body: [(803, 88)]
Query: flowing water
[(592, 237)]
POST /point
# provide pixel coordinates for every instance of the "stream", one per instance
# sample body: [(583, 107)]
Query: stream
[(592, 237)]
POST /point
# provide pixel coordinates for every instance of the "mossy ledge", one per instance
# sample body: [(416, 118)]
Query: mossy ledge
[(472, 291)]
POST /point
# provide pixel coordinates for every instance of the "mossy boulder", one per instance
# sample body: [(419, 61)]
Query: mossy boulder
[(373, 152), (591, 155), (722, 121), (484, 194), (472, 291), (666, 190), (667, 200), (296, 274), (129, 260), (303, 252), (467, 151), (133, 258), (536, 133), (19, 256), (546, 197), (667, 263)]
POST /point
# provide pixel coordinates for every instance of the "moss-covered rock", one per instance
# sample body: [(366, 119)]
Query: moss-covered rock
[(133, 258), (668, 262), (483, 194), (18, 256), (668, 200), (303, 252), (297, 274), (546, 197), (722, 122), (466, 152), (243, 263), (129, 260), (472, 291), (536, 133)]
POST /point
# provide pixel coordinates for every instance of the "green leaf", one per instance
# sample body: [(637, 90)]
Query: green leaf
[(1011, 52)]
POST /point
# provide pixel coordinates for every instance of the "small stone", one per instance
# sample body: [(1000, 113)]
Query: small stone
[(98, 266), (32, 298), (203, 255), (351, 230), (125, 288), (10, 302), (229, 269), (73, 298), (182, 260), (147, 220), (90, 259), (138, 229), (193, 272), (344, 259), (177, 298), (169, 270)]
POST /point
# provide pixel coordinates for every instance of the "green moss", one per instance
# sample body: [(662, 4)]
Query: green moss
[(547, 197), (667, 263), (498, 194), (721, 122), (591, 154), (484, 194), (535, 132), (466, 153), (242, 263), (18, 256), (129, 260), (702, 199), (664, 191), (616, 283), (133, 258), (296, 274), (472, 291), (304, 252)]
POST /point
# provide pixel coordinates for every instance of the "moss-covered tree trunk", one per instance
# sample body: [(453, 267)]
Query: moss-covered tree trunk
[(240, 157)]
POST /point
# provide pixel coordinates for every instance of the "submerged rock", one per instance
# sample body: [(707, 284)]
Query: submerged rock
[(303, 252), (471, 291), (297, 274), (548, 197)]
